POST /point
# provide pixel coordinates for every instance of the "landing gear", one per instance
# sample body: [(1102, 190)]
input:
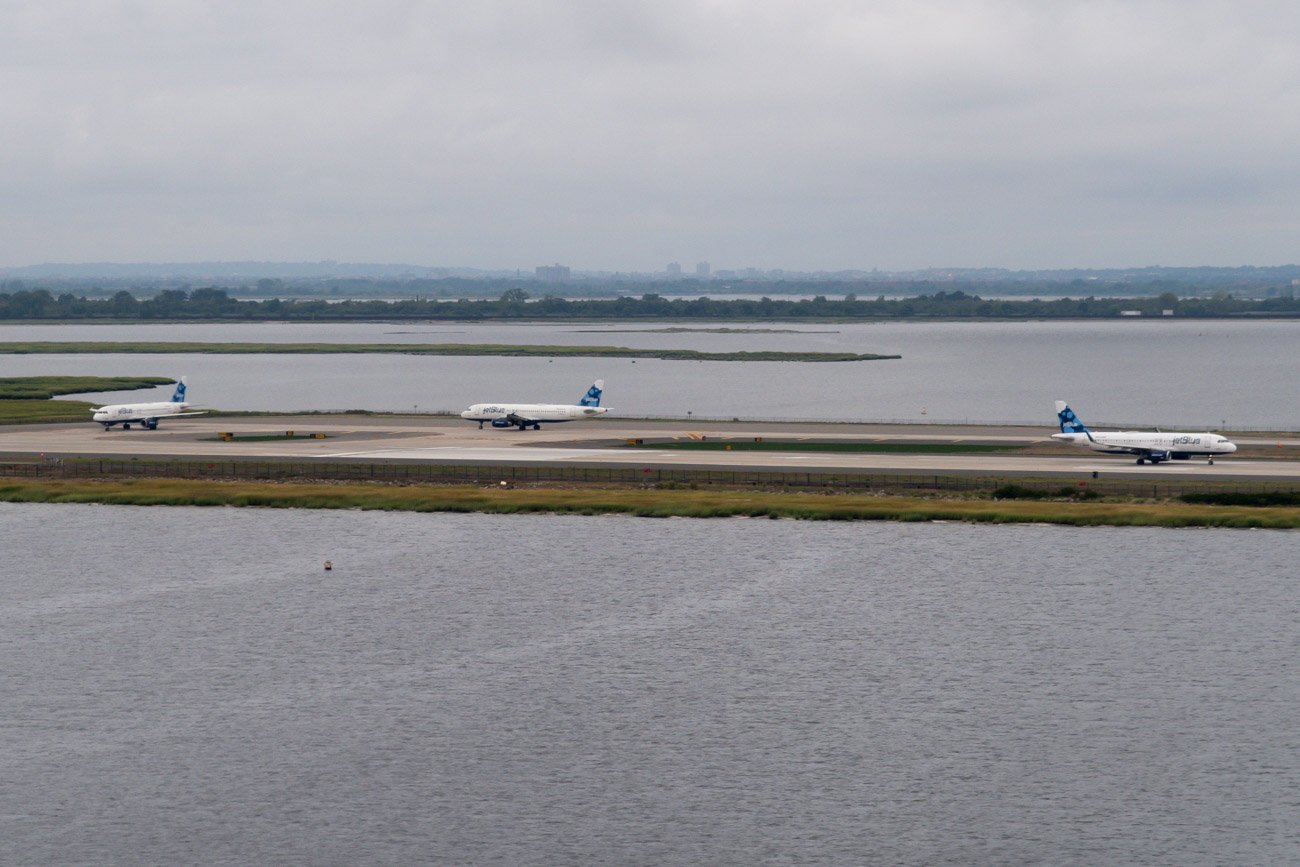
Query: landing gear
[(1141, 460), (126, 425), (480, 425), (1211, 461)]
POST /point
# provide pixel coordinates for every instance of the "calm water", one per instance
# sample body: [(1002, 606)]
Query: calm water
[(185, 686), (1168, 373)]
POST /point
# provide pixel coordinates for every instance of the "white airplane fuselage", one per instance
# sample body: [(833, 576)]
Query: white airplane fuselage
[(147, 414), (501, 414), (1176, 445)]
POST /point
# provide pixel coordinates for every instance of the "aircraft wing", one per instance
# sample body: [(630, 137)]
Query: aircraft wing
[(179, 414), (1122, 449), (516, 418)]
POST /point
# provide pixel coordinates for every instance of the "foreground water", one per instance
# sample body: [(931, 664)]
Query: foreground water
[(1193, 374), (189, 686)]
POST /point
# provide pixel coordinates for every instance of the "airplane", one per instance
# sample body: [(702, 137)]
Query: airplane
[(147, 414), (1155, 446), (526, 415)]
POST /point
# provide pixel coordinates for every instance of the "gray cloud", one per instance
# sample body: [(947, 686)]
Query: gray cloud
[(621, 135)]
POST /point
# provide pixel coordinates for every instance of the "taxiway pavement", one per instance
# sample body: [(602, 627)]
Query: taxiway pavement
[(444, 440)]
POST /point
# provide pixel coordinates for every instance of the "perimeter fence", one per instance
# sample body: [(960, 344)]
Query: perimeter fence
[(636, 476)]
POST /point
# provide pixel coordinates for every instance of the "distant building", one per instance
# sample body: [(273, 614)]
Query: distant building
[(702, 269), (1130, 313), (674, 269), (556, 273)]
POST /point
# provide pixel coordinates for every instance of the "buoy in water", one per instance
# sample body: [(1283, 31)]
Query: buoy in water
[(328, 565)]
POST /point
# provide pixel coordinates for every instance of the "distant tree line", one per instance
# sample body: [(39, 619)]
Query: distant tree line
[(1183, 282), (515, 303)]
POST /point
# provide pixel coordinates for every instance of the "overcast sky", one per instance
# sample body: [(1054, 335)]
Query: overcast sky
[(617, 135)]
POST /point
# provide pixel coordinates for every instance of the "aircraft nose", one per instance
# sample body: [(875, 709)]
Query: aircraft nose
[(1232, 447), (465, 414)]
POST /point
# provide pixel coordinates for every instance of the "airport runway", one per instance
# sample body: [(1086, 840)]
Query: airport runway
[(397, 439)]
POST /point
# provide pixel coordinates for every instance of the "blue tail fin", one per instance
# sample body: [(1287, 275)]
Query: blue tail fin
[(592, 397), (179, 396), (1069, 421)]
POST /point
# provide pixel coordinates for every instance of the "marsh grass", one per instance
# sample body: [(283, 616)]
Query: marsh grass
[(27, 399), (45, 387), (641, 502)]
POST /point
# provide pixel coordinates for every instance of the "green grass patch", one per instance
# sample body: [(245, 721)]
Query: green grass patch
[(1236, 498), (467, 349), (34, 411), (1020, 492), (264, 438), (749, 445), (641, 502)]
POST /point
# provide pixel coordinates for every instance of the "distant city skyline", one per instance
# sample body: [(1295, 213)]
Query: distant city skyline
[(620, 136), (242, 273)]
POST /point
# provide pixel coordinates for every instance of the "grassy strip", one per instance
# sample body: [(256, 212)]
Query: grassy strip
[(640, 502), (263, 438), (467, 349), (719, 445), (33, 411), (1239, 498), (45, 387)]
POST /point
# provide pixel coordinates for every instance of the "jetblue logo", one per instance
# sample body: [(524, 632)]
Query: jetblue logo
[(1186, 441), (1069, 421)]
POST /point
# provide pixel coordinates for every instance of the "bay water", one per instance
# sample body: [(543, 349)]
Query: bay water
[(185, 685)]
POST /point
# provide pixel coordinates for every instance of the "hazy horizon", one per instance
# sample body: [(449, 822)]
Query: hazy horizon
[(272, 268)]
